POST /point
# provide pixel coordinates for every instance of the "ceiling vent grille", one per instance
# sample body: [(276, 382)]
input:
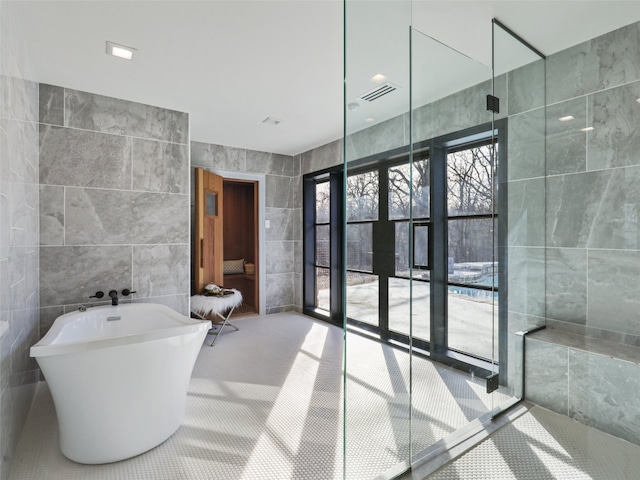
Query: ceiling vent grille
[(378, 92)]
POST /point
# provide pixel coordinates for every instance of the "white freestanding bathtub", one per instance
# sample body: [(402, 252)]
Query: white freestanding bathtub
[(118, 376)]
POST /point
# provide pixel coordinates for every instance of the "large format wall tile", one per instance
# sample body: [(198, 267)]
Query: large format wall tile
[(526, 145), (566, 142), (98, 113), (614, 283), (376, 139), (526, 87), (594, 209), (84, 159), (270, 163), (280, 257), (218, 157), (51, 109), (614, 114), (160, 270), (604, 62), (282, 225), (526, 267), (280, 192), (525, 213), (280, 290), (160, 167), (566, 284), (51, 213), (547, 375), (322, 157), (73, 274), (603, 393), (102, 217)]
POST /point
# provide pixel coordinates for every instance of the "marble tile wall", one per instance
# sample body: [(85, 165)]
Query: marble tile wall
[(114, 201), (580, 379), (19, 296), (283, 210), (593, 169)]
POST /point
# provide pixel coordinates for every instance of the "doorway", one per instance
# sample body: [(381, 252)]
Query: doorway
[(228, 241)]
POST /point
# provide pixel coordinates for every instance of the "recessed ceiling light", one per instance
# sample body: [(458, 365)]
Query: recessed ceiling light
[(378, 78), (369, 119), (587, 129), (638, 100), (272, 121), (120, 51), (567, 118), (353, 105)]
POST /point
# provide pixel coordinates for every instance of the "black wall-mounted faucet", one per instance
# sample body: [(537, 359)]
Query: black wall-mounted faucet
[(114, 297)]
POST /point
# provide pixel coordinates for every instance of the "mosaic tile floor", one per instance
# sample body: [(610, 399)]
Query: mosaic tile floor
[(266, 403)]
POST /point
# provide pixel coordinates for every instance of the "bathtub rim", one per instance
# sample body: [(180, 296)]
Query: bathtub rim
[(184, 325)]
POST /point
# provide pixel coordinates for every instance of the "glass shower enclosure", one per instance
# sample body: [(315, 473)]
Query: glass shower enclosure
[(443, 223)]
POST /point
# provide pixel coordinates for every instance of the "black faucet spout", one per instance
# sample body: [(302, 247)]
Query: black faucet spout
[(114, 297)]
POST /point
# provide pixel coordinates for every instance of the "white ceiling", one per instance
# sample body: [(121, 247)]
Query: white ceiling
[(231, 64)]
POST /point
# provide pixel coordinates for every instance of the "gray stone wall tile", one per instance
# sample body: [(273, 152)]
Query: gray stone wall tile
[(72, 274), (51, 108), (103, 217), (18, 98), (526, 279), (218, 157), (378, 138), (281, 224), (280, 256), (614, 115), (280, 290), (84, 159), (604, 62), (526, 87), (325, 156), (594, 209), (566, 285), (526, 145), (179, 303), (98, 113), (160, 167), (566, 142), (547, 375), (160, 270), (24, 214), (603, 393), (269, 163), (48, 315), (280, 192), (526, 213), (51, 215), (201, 155), (613, 284)]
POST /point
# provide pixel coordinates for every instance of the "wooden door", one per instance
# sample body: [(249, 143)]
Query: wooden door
[(208, 255)]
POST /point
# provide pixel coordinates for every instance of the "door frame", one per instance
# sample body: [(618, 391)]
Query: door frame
[(260, 179)]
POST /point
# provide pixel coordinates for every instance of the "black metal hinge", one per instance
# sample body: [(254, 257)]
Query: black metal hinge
[(492, 382), (493, 104)]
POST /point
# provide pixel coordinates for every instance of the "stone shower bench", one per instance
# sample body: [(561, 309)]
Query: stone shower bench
[(593, 381)]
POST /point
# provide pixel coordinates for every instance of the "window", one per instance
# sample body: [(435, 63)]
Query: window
[(420, 233)]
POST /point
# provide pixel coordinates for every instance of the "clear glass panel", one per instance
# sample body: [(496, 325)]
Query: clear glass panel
[(449, 97), (404, 184), (470, 181), (323, 202), (360, 246), (362, 197), (362, 297), (402, 294), (471, 326), (211, 204), (403, 262), (421, 246), (377, 401), (472, 251), (519, 76), (323, 292), (323, 252)]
